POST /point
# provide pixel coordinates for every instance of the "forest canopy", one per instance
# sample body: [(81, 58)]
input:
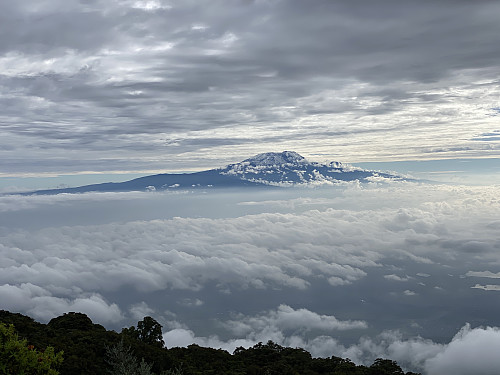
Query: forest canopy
[(72, 344)]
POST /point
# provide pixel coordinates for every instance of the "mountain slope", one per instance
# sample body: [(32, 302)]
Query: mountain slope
[(288, 168), (284, 169)]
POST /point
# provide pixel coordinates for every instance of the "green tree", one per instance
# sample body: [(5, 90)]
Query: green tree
[(17, 357), (72, 321), (385, 367), (123, 362), (148, 331)]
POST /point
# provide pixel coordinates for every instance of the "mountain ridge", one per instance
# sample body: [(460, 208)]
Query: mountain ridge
[(270, 169)]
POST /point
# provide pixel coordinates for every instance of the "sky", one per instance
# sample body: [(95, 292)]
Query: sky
[(132, 87), (96, 91)]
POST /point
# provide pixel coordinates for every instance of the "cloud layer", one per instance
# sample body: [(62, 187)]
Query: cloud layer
[(470, 351), (155, 85), (359, 271)]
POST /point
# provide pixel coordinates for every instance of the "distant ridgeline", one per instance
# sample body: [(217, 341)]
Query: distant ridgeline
[(89, 348), (271, 169)]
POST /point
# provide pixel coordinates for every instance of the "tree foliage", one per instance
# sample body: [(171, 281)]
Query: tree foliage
[(90, 349), (385, 367), (148, 331), (19, 357), (123, 362)]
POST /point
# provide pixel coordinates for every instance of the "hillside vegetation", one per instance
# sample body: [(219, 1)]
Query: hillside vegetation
[(88, 348)]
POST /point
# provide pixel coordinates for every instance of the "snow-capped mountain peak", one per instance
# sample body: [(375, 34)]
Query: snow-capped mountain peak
[(281, 169), (276, 158), (288, 168)]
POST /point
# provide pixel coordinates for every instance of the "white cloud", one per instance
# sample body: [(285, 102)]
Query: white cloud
[(396, 277), (487, 287), (340, 240), (139, 310), (179, 338), (182, 337), (249, 251), (41, 304), (286, 318), (472, 351), (409, 293), (254, 251), (285, 325), (486, 274)]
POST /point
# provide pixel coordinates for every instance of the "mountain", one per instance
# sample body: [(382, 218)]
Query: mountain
[(270, 169), (288, 168)]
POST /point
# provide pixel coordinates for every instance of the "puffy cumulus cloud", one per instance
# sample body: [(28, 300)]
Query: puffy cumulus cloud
[(284, 325), (179, 337), (139, 310), (182, 337), (41, 304), (472, 351), (291, 267), (286, 318), (319, 346), (411, 353), (339, 242), (249, 251)]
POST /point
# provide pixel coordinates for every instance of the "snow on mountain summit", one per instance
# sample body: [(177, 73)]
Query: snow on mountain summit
[(288, 168), (276, 158), (280, 169)]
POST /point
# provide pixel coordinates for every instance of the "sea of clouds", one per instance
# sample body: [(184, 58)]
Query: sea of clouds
[(405, 271)]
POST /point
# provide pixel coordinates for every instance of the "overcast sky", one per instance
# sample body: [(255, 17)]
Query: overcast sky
[(405, 271), (151, 85)]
